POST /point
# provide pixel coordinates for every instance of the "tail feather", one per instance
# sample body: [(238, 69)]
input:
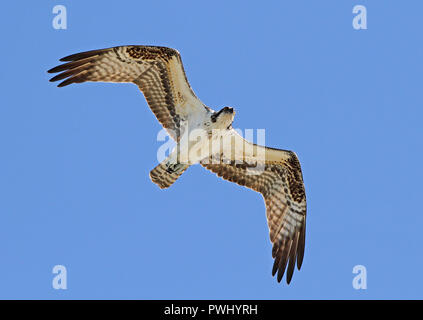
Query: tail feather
[(165, 174)]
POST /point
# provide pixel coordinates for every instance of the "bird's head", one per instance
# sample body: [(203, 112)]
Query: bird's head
[(224, 117)]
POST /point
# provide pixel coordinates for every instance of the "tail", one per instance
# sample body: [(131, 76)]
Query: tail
[(166, 173)]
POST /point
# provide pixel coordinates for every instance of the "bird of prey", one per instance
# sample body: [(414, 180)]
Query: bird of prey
[(275, 173)]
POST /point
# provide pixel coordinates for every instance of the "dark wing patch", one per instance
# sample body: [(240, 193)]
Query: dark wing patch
[(282, 187)]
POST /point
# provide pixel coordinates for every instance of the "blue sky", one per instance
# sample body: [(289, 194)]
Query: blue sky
[(74, 162)]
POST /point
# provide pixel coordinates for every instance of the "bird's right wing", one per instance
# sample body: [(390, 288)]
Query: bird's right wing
[(277, 176), (157, 71)]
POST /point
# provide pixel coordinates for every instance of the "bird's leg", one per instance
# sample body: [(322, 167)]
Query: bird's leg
[(172, 163), (172, 167)]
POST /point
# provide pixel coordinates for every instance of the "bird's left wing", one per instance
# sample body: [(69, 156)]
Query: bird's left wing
[(277, 175), (157, 71)]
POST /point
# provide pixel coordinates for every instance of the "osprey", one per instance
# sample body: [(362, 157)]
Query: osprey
[(275, 173)]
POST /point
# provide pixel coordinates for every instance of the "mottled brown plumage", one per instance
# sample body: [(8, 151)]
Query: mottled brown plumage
[(157, 71), (281, 185)]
